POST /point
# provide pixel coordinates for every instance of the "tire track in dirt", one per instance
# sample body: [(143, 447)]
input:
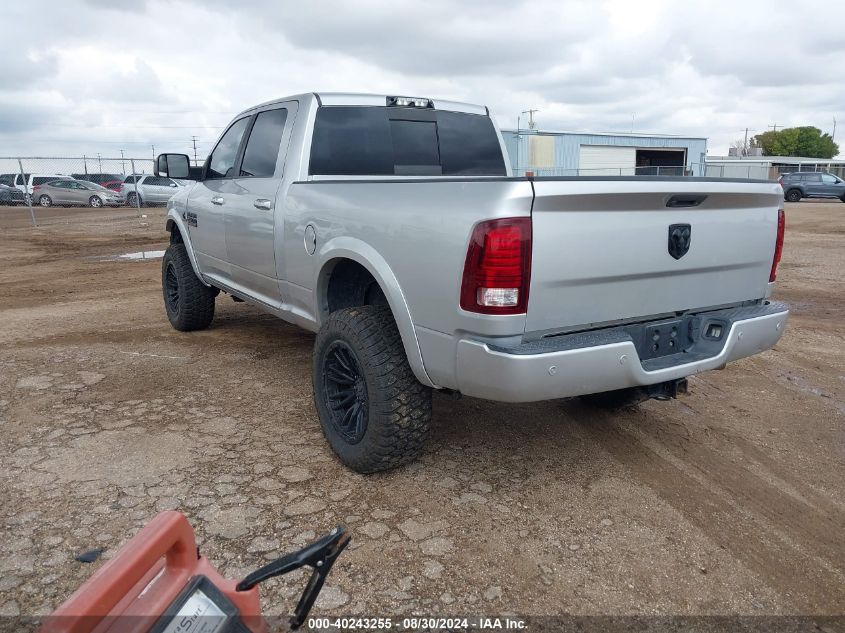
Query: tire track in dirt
[(749, 536)]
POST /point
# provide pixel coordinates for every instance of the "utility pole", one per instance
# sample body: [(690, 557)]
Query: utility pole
[(745, 144), (530, 114), (194, 139), (633, 114), (122, 164), (774, 127), (154, 153), (833, 136), (99, 162)]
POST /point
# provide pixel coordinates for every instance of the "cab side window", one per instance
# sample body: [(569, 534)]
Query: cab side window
[(264, 142), (221, 163)]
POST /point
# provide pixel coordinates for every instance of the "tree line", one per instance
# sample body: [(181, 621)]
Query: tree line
[(806, 141)]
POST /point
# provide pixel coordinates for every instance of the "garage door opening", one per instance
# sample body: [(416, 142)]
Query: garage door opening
[(661, 162)]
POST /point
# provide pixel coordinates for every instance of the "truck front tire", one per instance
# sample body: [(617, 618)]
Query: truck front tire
[(188, 302), (373, 411)]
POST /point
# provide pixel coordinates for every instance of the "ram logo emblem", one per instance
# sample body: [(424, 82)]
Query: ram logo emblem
[(680, 236)]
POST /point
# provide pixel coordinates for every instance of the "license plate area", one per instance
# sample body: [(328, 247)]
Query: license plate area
[(699, 335), (667, 337)]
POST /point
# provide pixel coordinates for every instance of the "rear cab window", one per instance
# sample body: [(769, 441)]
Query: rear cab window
[(399, 141)]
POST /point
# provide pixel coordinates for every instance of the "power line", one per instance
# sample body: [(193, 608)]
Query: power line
[(177, 111), (144, 127), (95, 142)]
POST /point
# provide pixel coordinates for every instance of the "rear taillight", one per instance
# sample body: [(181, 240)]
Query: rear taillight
[(778, 245), (497, 272)]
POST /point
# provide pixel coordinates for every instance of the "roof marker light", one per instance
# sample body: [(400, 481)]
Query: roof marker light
[(410, 102)]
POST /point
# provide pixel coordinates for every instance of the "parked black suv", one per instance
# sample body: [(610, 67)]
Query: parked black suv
[(808, 184)]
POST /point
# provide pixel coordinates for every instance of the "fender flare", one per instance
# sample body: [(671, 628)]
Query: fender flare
[(362, 253), (174, 219)]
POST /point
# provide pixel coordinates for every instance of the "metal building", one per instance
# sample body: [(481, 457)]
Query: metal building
[(618, 154)]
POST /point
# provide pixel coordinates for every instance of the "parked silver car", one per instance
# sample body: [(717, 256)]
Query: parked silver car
[(150, 189), (75, 192)]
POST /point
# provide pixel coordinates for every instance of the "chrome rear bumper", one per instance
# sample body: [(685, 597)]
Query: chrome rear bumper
[(603, 360)]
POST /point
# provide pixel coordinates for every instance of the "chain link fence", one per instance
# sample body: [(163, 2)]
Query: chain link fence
[(29, 187), (38, 186), (669, 171), (727, 169)]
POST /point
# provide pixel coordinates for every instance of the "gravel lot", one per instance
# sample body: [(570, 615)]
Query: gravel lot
[(728, 500)]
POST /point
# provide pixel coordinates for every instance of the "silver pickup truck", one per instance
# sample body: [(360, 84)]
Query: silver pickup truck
[(394, 229)]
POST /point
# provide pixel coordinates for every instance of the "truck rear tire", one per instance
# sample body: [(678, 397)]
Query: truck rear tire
[(188, 302), (374, 413)]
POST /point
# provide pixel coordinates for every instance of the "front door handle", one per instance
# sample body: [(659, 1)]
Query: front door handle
[(263, 203), (218, 200)]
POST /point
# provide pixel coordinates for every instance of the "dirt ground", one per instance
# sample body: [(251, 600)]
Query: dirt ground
[(729, 500)]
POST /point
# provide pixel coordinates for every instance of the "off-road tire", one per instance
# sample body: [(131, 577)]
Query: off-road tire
[(397, 407), (793, 195), (192, 305), (615, 400)]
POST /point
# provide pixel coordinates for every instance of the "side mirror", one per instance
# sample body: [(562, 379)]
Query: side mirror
[(173, 166)]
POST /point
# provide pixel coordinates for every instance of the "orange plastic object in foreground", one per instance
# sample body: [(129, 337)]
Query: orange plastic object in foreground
[(135, 588)]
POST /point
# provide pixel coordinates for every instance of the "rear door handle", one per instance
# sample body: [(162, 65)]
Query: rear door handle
[(263, 203), (218, 200)]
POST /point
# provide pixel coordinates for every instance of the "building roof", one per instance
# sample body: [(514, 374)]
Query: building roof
[(631, 134), (791, 160)]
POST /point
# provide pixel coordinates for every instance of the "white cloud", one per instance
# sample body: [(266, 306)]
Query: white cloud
[(103, 76)]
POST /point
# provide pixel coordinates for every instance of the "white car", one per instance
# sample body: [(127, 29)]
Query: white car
[(150, 189)]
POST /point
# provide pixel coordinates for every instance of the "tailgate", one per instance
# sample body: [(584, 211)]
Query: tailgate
[(601, 248)]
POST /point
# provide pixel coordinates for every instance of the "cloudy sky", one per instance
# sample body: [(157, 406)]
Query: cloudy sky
[(104, 75)]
